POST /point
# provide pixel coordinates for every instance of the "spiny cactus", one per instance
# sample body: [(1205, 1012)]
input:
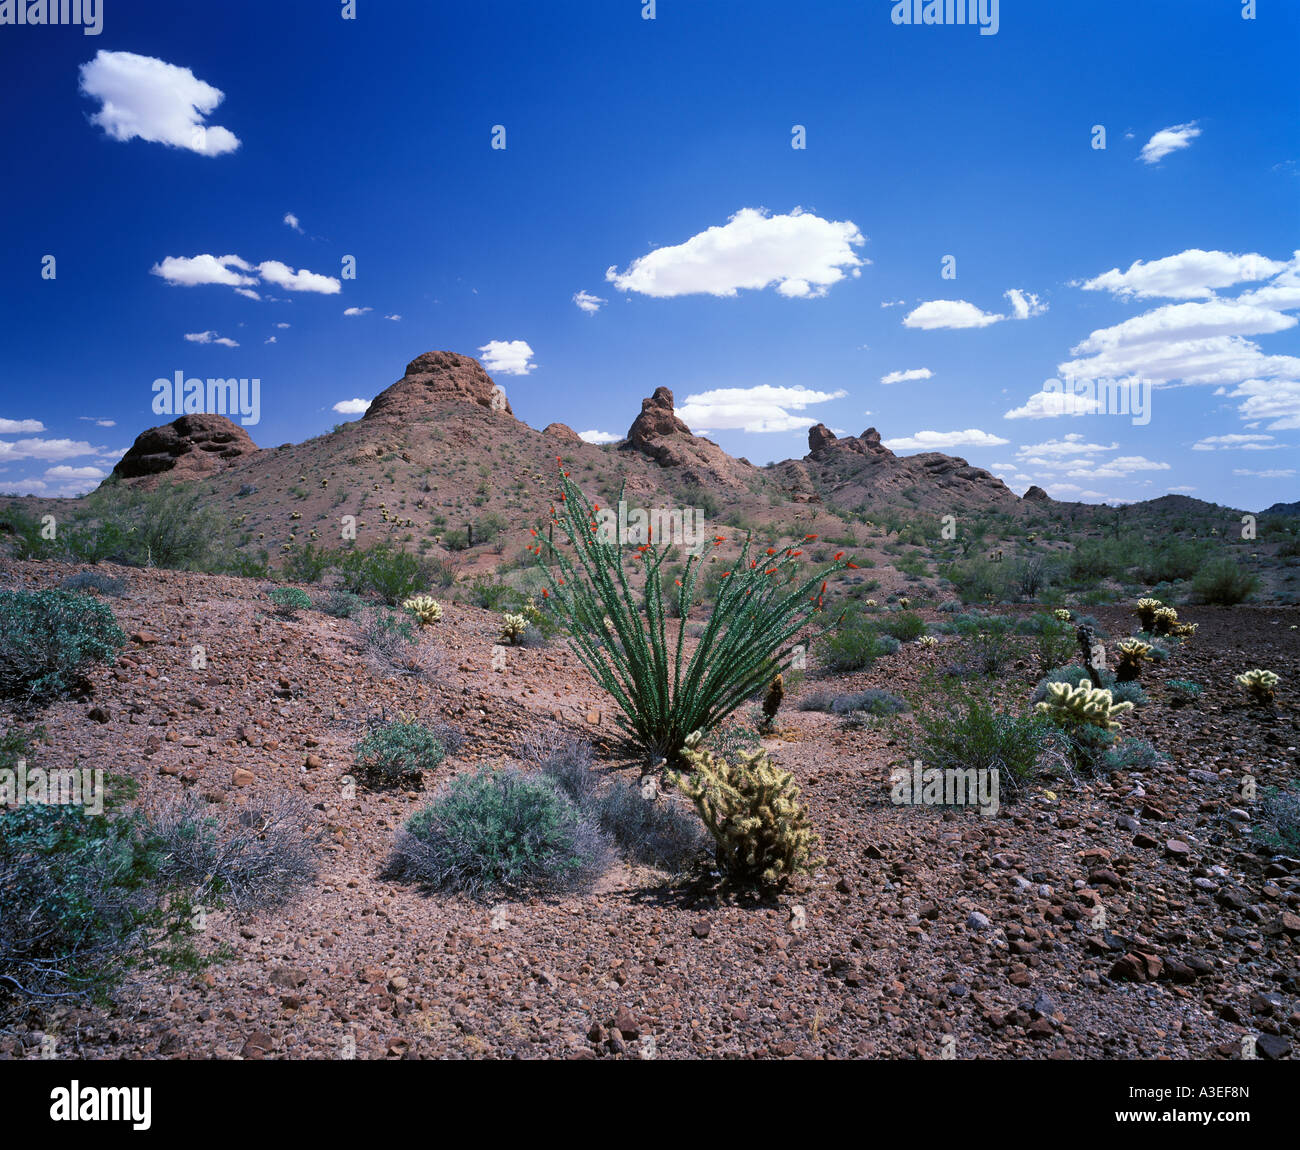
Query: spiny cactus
[(772, 703), (1083, 706), (1131, 653), (512, 627), (425, 608), (752, 810), (927, 641), (871, 603), (1061, 615), (1164, 621), (905, 602), (1146, 612), (1184, 630), (1259, 684)]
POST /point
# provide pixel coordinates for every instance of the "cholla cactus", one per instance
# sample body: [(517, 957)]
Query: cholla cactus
[(927, 641), (1061, 615), (512, 627), (905, 602), (1131, 654), (425, 608), (772, 703), (752, 810), (1259, 684), (1083, 706), (1185, 630), (872, 603), (1146, 612), (1165, 620)]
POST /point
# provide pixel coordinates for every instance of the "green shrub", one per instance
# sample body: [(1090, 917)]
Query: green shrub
[(398, 751), (501, 831), (989, 643), (173, 526), (340, 604), (904, 626), (1223, 582), (854, 647), (95, 581), (1279, 823), (381, 570), (306, 564), (491, 595), (1131, 755), (288, 601), (1129, 692), (1184, 689), (388, 638), (659, 832), (964, 732), (47, 638), (1170, 561)]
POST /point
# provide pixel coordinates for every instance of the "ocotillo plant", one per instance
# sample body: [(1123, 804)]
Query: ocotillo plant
[(621, 634)]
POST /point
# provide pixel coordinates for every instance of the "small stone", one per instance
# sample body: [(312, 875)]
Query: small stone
[(243, 777), (977, 921)]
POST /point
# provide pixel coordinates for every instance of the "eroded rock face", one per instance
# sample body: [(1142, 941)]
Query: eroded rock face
[(190, 447), (438, 377), (660, 434), (820, 437), (563, 432), (1037, 495)]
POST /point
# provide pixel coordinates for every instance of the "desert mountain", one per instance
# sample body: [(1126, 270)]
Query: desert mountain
[(191, 447), (659, 434)]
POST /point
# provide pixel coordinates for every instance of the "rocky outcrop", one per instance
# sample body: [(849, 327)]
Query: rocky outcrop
[(190, 447), (1036, 494), (438, 377), (820, 437), (658, 433), (563, 432)]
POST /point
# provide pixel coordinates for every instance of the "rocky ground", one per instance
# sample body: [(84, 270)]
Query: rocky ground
[(928, 933)]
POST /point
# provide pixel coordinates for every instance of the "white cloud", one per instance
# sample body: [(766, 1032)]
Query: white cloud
[(1066, 445), (47, 449), (20, 426), (892, 302), (589, 303), (352, 406), (274, 272), (1275, 473), (762, 408), (1024, 305), (270, 339), (508, 357), (942, 440), (357, 310), (394, 317), (1224, 442), (1051, 404), (85, 419), (1191, 274), (1168, 140), (598, 437), (210, 337), (948, 313), (249, 292), (283, 325), (1213, 319), (142, 96), (182, 271), (63, 471), (907, 376), (800, 253), (1120, 467), (292, 221), (1274, 399)]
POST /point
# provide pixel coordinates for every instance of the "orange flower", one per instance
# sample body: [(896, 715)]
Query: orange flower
[(545, 593), (678, 582), (810, 536), (771, 550), (773, 571), (533, 530), (753, 563), (724, 574), (794, 554), (853, 565), (595, 506), (823, 586), (718, 539), (838, 556)]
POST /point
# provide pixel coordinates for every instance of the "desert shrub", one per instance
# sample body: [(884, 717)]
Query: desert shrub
[(172, 526), (904, 626), (949, 606), (340, 604), (306, 564), (1170, 561), (493, 596), (438, 572), (288, 601), (259, 855), (1129, 692), (1184, 689), (388, 638), (978, 580), (659, 832), (47, 638), (381, 570), (567, 761), (1223, 582), (242, 564), (964, 732), (1031, 576), (1092, 560), (620, 634), (456, 539), (1279, 821), (398, 751), (888, 645), (95, 581), (1052, 640), (1130, 755), (853, 647), (989, 643), (751, 808), (501, 830)]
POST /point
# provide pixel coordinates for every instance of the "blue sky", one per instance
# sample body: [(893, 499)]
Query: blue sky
[(649, 223)]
